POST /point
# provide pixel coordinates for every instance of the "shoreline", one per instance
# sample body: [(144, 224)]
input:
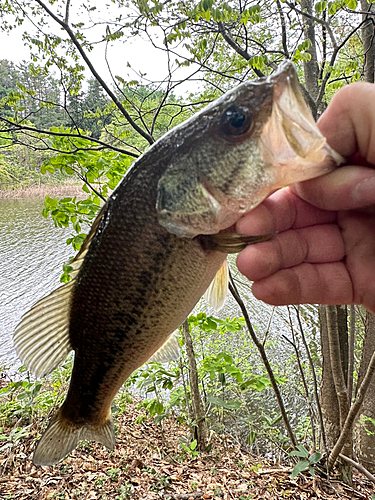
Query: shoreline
[(40, 191)]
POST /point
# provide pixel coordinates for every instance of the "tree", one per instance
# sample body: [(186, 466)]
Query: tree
[(220, 44), (89, 110), (198, 36), (365, 424)]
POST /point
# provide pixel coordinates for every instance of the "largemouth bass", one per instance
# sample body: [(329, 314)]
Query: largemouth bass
[(158, 243)]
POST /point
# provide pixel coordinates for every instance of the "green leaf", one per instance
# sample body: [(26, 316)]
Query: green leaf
[(251, 438), (302, 452), (333, 8), (227, 405), (320, 6), (315, 457), (155, 407), (159, 418), (300, 467)]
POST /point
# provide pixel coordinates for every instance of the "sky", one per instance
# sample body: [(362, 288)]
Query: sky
[(140, 54)]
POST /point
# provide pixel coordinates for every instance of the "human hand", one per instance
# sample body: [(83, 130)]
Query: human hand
[(324, 251)]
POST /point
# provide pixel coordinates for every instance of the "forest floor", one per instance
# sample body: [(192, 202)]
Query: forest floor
[(149, 464)]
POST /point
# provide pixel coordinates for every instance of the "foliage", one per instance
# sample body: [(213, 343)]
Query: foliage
[(307, 463), (190, 448), (15, 435), (131, 112), (99, 170), (25, 399), (91, 130), (227, 381)]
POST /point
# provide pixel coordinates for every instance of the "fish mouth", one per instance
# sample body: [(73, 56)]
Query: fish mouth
[(285, 147), (291, 136)]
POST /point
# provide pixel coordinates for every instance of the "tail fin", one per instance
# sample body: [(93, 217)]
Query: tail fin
[(61, 437)]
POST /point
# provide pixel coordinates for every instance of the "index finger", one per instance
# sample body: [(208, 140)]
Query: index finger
[(348, 123), (281, 211)]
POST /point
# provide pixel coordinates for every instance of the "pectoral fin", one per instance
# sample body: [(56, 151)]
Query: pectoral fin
[(230, 242), (216, 293)]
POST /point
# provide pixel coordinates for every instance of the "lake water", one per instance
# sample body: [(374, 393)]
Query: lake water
[(32, 252)]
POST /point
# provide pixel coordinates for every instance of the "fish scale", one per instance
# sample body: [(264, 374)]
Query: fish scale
[(159, 242)]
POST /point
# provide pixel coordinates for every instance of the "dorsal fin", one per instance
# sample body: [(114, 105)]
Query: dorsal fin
[(216, 293), (42, 338), (79, 258)]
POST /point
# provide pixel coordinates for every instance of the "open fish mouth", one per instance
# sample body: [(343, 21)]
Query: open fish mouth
[(291, 135), (255, 139)]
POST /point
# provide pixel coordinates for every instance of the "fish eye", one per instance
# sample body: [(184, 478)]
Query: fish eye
[(235, 121)]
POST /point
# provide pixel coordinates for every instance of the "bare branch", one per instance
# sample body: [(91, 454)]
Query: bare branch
[(335, 53), (303, 378), (73, 38), (283, 28), (359, 467), (67, 11), (15, 127), (315, 381), (317, 20), (237, 48)]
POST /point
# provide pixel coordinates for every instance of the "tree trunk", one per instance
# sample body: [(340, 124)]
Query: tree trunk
[(311, 68), (368, 34), (364, 443), (335, 375), (351, 354), (199, 417), (328, 397)]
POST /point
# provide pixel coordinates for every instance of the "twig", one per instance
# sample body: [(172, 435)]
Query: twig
[(100, 80), (315, 382), (359, 467), (303, 378), (237, 48), (262, 352), (20, 127)]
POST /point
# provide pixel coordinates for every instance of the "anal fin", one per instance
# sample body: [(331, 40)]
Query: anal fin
[(169, 351)]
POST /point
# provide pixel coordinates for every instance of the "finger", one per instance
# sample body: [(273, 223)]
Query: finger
[(345, 188), (281, 211), (327, 283), (317, 244), (348, 122)]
